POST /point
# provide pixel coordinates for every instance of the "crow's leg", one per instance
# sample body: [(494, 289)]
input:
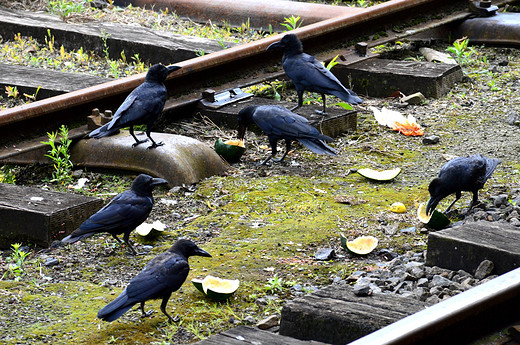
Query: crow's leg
[(117, 239), (137, 141), (163, 308), (274, 150), (145, 314), (300, 100), (287, 149), (126, 238), (474, 201), (457, 197), (154, 144), (324, 111)]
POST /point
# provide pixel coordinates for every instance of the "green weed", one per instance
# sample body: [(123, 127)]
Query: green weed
[(292, 23), (60, 156), (16, 262), (7, 174), (461, 50), (64, 8)]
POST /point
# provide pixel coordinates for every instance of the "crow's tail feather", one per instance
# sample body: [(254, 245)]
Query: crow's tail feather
[(318, 146), (491, 164), (348, 96), (103, 131), (116, 308), (75, 237)]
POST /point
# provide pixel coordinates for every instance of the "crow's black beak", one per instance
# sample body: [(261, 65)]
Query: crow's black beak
[(275, 45), (431, 205), (158, 181), (202, 252), (172, 68)]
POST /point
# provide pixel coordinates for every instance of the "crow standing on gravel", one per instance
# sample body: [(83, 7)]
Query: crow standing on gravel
[(163, 275), (309, 74), (142, 106), (461, 174), (280, 123), (122, 214)]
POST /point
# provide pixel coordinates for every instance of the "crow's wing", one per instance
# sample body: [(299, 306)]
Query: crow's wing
[(310, 74), (125, 211), (280, 122), (143, 103), (164, 274)]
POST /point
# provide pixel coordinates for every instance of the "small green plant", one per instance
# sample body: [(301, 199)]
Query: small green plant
[(493, 86), (16, 262), (60, 156), (7, 174), (104, 38), (461, 50), (274, 285), (12, 92), (292, 23), (64, 8), (332, 63)]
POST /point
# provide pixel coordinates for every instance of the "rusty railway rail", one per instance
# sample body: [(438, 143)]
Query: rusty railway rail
[(234, 67)]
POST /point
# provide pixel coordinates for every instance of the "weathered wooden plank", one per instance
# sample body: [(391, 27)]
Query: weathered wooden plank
[(335, 315), (336, 122), (466, 246), (151, 45), (36, 216), (382, 77), (47, 82), (248, 335)]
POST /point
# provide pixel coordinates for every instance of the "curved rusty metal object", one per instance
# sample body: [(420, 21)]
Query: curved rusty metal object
[(181, 160), (258, 14), (208, 70), (502, 28)]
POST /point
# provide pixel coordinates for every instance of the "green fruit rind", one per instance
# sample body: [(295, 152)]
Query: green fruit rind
[(437, 220), (383, 176), (231, 153), (216, 288), (198, 284)]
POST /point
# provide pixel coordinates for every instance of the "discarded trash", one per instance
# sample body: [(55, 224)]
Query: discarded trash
[(216, 288), (398, 207), (362, 245), (397, 121), (385, 175)]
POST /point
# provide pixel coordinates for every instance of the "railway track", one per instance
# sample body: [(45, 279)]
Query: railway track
[(247, 65), (234, 67)]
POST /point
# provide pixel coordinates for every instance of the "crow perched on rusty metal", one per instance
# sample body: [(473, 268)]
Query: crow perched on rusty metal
[(309, 74), (161, 276), (122, 214), (142, 106), (280, 123), (460, 174)]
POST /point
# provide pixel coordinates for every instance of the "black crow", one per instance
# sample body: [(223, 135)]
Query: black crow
[(309, 74), (280, 123), (122, 214), (142, 106), (163, 275), (460, 174)]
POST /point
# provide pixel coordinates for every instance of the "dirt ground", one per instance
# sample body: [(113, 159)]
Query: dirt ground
[(263, 225)]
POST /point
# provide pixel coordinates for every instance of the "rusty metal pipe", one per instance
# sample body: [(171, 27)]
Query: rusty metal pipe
[(260, 14), (236, 59)]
